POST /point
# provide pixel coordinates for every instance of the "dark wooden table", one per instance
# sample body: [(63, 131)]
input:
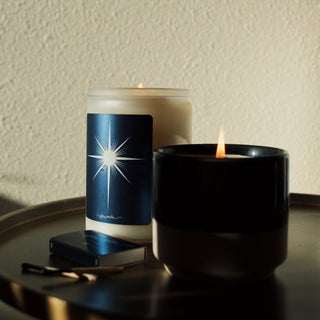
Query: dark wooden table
[(146, 291)]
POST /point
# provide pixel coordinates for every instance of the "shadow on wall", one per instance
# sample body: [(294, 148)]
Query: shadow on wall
[(8, 205)]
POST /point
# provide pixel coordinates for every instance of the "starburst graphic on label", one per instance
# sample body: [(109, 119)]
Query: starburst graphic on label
[(111, 158)]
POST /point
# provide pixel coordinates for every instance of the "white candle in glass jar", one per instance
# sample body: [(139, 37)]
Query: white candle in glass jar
[(117, 159)]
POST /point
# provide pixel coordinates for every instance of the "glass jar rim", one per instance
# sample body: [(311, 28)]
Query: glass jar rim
[(206, 152), (138, 92)]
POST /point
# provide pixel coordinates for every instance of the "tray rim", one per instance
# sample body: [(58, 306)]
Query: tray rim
[(25, 215)]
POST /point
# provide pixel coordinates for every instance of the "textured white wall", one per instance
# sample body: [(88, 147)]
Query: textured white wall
[(253, 66)]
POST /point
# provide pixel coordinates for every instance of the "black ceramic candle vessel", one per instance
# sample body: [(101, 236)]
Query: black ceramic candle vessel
[(223, 219)]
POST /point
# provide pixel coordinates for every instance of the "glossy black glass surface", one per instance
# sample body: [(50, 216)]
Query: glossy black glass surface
[(194, 190)]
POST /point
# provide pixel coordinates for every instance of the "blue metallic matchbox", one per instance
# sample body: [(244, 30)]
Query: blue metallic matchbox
[(92, 249)]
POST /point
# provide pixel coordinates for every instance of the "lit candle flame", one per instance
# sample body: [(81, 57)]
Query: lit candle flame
[(221, 147), (140, 85)]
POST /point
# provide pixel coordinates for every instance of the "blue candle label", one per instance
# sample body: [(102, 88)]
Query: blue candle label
[(119, 168)]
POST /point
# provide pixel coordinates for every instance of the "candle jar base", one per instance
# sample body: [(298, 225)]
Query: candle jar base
[(137, 234), (217, 279), (220, 257)]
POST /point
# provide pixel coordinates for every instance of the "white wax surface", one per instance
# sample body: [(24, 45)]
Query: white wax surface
[(172, 121), (236, 156)]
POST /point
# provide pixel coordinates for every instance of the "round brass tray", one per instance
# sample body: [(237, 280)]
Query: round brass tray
[(147, 291)]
